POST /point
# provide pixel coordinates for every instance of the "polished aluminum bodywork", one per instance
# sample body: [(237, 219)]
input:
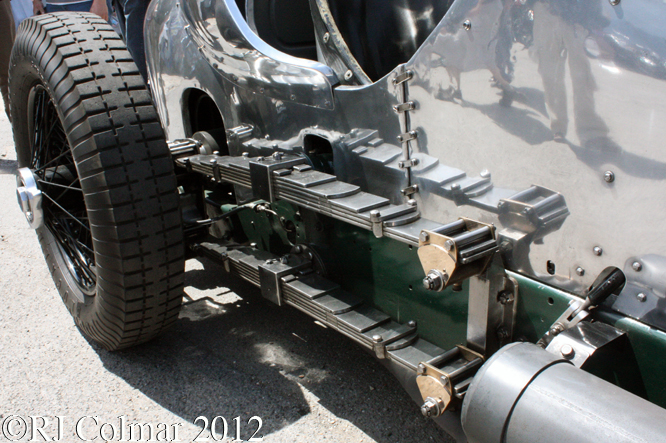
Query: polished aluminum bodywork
[(575, 105)]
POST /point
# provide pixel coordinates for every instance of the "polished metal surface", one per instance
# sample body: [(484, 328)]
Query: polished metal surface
[(523, 392), (563, 101), (29, 197)]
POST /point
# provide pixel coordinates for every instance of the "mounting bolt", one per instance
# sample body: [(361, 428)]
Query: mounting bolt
[(609, 176), (450, 245), (429, 408), (637, 266), (424, 237), (377, 338), (556, 329), (411, 202), (435, 280), (485, 173), (421, 369), (527, 211), (467, 25), (567, 351), (641, 297), (580, 271), (597, 250), (411, 323), (327, 37)]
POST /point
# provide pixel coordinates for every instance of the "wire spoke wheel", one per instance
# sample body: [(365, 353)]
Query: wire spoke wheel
[(96, 178), (63, 207)]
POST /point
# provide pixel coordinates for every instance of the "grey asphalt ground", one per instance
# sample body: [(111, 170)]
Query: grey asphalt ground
[(231, 354)]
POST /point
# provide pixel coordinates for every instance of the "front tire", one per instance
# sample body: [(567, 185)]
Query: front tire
[(86, 130)]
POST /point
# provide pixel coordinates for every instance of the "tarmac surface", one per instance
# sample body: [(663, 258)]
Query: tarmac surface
[(231, 354)]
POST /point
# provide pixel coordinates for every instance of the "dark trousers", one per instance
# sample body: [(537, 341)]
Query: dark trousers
[(131, 14)]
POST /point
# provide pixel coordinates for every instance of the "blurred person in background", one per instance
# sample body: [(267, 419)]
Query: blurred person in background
[(47, 6)]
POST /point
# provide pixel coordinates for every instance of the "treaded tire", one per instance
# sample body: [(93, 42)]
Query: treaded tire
[(125, 173)]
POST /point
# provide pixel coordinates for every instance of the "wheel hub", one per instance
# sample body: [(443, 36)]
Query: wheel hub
[(29, 197)]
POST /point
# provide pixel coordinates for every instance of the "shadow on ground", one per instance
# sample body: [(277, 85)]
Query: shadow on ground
[(229, 356)]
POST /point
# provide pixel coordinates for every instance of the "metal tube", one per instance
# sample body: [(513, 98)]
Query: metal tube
[(524, 394)]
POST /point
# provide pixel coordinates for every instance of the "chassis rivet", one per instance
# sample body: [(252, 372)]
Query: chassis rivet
[(609, 176), (597, 250), (637, 266), (411, 324), (467, 25), (641, 297), (327, 37), (580, 271), (455, 187), (567, 351), (377, 338), (349, 74)]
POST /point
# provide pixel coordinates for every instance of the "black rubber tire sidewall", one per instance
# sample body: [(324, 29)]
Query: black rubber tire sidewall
[(129, 188)]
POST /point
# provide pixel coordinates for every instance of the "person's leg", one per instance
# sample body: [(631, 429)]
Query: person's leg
[(74, 7), (134, 13), (7, 24)]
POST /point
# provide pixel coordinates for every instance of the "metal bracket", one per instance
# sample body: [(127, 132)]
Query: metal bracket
[(410, 190), (408, 163), (407, 136), (438, 385), (535, 210), (404, 107), (403, 77), (270, 274), (261, 173), (491, 308), (457, 251)]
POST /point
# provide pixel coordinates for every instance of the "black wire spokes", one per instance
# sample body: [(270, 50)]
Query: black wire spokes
[(65, 214)]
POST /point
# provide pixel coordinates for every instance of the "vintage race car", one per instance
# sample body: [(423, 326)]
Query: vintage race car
[(472, 190)]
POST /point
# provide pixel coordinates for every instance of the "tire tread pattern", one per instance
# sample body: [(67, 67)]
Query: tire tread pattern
[(125, 171)]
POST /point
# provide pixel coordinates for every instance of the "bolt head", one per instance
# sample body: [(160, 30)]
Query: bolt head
[(421, 369), (327, 37), (411, 324), (428, 283), (298, 249), (485, 173), (609, 176), (467, 25), (580, 271), (597, 251), (455, 187), (637, 266), (377, 338), (424, 237), (411, 202), (567, 351), (449, 244), (349, 74), (614, 2), (641, 297)]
